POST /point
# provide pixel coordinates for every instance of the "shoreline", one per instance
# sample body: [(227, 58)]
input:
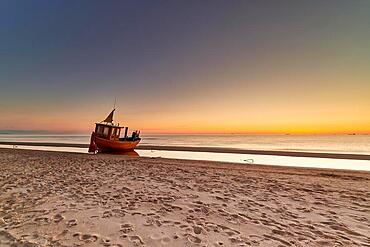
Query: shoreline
[(211, 149), (212, 164), (69, 199)]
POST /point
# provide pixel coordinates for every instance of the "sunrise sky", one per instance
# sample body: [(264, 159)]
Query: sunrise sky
[(186, 66)]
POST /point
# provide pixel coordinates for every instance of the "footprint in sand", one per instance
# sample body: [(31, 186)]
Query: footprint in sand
[(58, 218), (136, 239), (184, 226), (42, 220), (71, 223), (126, 228), (60, 235), (149, 222), (107, 214), (194, 239), (218, 244), (105, 241), (160, 237), (197, 229), (2, 222), (88, 238)]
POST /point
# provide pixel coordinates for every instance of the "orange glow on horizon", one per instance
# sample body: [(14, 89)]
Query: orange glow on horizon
[(247, 130)]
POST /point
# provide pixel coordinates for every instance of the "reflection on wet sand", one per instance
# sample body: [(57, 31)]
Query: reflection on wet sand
[(132, 153), (228, 157)]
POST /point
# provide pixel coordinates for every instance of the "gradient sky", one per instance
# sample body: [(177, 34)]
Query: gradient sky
[(186, 66)]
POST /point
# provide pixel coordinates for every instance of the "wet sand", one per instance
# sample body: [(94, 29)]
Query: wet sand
[(68, 199), (210, 149)]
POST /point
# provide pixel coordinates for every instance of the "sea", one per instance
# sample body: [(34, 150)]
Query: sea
[(354, 144)]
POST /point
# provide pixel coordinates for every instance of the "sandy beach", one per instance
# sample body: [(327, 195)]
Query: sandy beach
[(68, 199)]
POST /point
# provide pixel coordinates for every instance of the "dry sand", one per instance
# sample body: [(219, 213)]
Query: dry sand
[(66, 199)]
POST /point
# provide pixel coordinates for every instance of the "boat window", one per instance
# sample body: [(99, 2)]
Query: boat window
[(105, 131), (114, 132)]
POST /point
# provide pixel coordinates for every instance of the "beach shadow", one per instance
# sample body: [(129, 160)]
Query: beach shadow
[(129, 153)]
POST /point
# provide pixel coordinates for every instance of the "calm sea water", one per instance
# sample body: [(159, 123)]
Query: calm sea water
[(359, 144)]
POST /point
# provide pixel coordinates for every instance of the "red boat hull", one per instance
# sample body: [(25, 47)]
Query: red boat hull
[(108, 146)]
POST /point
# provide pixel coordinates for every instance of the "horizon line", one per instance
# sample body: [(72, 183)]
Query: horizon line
[(16, 131)]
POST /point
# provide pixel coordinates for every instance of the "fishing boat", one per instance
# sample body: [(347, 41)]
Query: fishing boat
[(107, 137)]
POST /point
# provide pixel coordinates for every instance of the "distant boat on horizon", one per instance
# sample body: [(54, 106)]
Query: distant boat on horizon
[(107, 137)]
